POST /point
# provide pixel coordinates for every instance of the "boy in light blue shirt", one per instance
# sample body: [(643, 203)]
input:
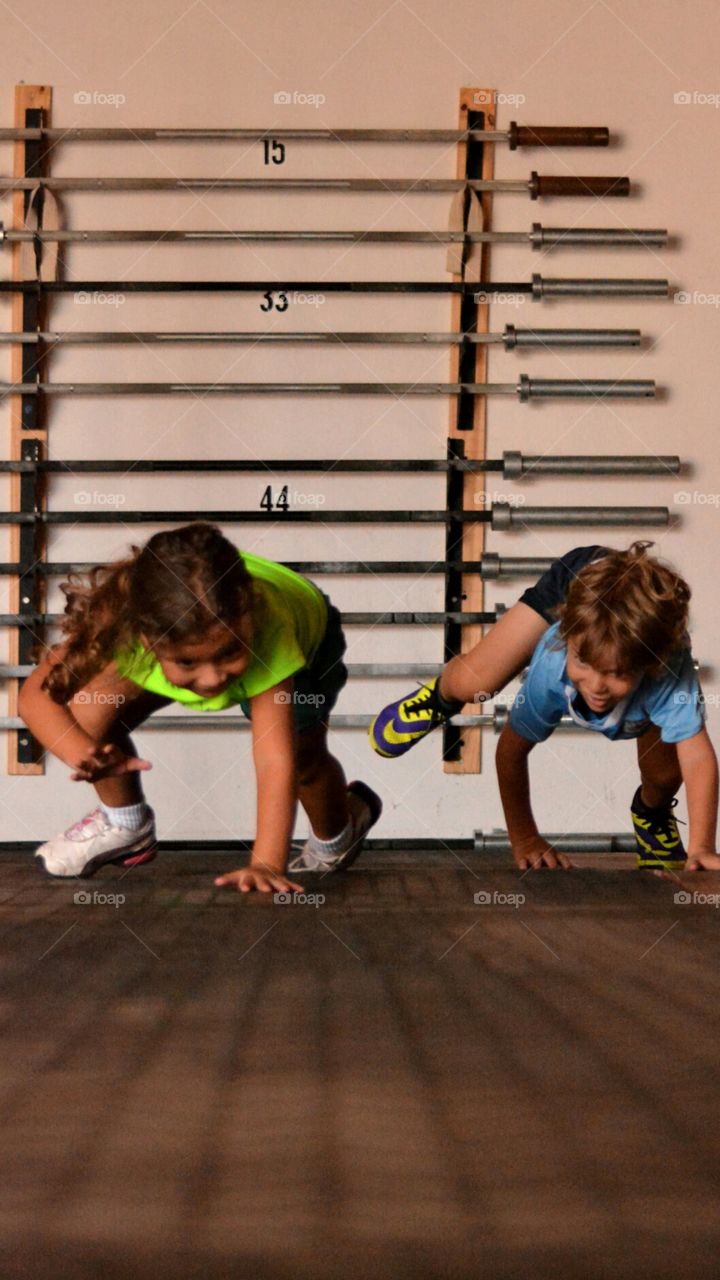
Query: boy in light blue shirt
[(618, 662)]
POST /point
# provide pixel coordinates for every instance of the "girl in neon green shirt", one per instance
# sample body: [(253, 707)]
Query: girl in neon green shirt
[(190, 619)]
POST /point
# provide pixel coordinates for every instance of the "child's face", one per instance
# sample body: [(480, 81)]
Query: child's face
[(206, 667), (601, 687)]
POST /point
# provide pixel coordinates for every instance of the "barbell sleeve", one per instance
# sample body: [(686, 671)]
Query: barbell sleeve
[(561, 237), (514, 338), (543, 287), (578, 388), (504, 516), (516, 465), (556, 185)]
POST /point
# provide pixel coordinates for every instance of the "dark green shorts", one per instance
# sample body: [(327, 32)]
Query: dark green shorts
[(316, 688)]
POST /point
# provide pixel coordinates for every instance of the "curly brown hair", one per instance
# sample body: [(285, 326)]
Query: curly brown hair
[(172, 590), (627, 607)]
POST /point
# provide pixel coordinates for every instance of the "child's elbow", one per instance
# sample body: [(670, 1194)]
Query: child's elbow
[(30, 695)]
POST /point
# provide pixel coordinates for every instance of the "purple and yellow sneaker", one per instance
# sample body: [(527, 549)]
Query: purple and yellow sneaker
[(403, 723), (657, 838)]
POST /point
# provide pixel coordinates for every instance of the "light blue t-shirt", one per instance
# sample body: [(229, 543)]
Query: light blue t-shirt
[(673, 701)]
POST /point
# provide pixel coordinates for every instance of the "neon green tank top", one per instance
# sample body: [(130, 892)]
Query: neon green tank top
[(292, 616)]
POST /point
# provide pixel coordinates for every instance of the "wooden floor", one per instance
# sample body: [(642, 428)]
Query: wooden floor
[(397, 1082)]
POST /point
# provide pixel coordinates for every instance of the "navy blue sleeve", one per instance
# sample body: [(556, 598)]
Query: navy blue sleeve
[(552, 586)]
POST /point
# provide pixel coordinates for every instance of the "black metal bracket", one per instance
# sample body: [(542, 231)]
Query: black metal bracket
[(31, 585), (452, 740)]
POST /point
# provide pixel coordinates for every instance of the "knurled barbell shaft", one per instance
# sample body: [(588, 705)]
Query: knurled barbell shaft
[(538, 238), (535, 186), (517, 135), (537, 287), (512, 465), (500, 515), (510, 338), (526, 389)]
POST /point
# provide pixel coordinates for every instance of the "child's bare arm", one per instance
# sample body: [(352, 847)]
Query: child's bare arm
[(275, 770), (56, 728), (698, 765), (528, 847), (53, 725)]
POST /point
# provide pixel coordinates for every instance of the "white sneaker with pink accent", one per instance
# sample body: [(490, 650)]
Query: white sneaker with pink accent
[(93, 842)]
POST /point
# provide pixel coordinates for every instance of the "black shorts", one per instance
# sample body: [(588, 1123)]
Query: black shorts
[(316, 688), (552, 586)]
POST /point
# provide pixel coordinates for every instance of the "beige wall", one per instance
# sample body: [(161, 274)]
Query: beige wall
[(381, 65)]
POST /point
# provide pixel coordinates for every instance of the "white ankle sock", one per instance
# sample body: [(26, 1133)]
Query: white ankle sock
[(338, 844), (131, 816)]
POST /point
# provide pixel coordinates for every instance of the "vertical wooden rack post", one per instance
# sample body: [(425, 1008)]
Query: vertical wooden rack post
[(467, 430), (28, 433)]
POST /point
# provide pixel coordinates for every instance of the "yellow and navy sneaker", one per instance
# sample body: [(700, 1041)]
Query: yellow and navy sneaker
[(403, 723), (657, 838)]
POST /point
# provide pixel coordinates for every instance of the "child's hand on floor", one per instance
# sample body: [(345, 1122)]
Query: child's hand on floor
[(534, 855), (108, 761), (702, 862), (265, 880)]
